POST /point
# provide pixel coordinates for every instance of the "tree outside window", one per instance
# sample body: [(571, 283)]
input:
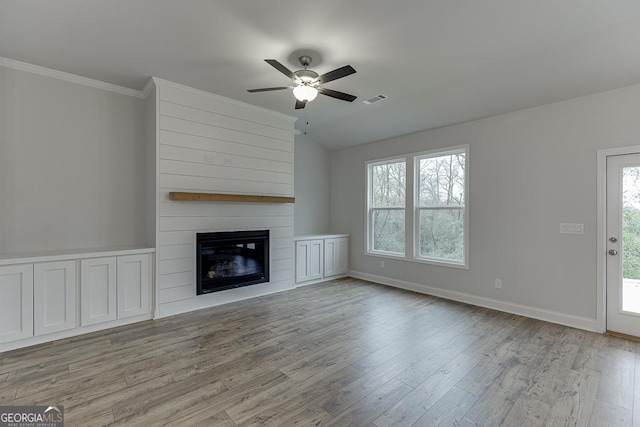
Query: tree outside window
[(432, 211)]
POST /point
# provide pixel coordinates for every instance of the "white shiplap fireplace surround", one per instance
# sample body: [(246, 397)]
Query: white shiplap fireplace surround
[(205, 143), (130, 149), (113, 248)]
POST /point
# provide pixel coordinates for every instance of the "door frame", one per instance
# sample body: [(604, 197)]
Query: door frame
[(601, 231)]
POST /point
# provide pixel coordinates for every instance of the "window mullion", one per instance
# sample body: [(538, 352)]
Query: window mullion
[(409, 200)]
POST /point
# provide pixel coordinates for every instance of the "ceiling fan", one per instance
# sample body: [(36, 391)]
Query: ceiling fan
[(306, 83)]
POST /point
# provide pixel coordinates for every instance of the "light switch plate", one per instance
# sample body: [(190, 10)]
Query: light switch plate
[(571, 228)]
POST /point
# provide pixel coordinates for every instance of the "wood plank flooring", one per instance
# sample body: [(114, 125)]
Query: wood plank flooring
[(342, 353)]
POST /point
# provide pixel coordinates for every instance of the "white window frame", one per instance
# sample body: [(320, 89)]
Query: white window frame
[(369, 214), (412, 209), (417, 208)]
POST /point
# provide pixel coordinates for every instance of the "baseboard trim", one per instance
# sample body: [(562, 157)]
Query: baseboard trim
[(324, 279), (80, 330), (578, 322)]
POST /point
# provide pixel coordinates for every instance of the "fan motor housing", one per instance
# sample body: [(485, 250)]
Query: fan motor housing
[(306, 76)]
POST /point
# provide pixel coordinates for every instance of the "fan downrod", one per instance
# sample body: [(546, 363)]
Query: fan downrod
[(305, 76)]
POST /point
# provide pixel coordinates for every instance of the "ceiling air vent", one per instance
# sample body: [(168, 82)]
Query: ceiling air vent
[(375, 99)]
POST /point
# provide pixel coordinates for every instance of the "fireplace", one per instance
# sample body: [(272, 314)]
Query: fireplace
[(230, 260)]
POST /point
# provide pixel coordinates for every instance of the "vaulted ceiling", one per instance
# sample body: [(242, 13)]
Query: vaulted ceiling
[(439, 61)]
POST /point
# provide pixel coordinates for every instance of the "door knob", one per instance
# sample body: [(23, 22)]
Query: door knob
[(613, 252)]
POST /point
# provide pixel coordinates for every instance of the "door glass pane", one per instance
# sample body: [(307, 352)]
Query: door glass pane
[(442, 234), (631, 239), (388, 230)]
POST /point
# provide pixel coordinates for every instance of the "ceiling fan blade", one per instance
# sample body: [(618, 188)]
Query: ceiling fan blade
[(278, 66), (300, 104), (336, 74), (338, 95), (267, 89)]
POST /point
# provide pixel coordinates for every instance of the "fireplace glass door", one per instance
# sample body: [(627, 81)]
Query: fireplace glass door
[(230, 260)]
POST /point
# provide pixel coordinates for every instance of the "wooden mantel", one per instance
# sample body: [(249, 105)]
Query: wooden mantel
[(224, 197)]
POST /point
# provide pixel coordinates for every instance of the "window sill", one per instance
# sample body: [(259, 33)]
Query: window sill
[(418, 260)]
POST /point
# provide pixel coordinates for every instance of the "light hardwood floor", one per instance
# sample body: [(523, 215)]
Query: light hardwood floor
[(339, 353)]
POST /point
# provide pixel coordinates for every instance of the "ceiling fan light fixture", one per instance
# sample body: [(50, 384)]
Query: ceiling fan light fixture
[(307, 83), (305, 93)]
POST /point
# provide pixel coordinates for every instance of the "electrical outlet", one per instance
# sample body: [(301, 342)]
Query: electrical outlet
[(498, 283), (210, 158), (381, 264)]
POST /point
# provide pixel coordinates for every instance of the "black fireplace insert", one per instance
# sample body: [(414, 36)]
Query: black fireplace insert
[(230, 260)]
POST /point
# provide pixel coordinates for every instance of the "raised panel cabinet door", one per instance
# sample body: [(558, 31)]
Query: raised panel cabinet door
[(302, 261), (54, 297), (330, 253), (316, 259), (133, 285), (309, 260), (342, 255), (98, 283), (16, 302)]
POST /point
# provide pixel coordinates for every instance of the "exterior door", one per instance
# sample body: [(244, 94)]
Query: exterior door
[(623, 244)]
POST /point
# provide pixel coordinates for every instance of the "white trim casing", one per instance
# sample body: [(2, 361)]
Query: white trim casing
[(368, 209), (579, 322), (411, 207), (601, 231), (416, 196)]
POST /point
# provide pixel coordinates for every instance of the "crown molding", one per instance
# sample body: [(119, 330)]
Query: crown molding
[(160, 82), (146, 90), (72, 78)]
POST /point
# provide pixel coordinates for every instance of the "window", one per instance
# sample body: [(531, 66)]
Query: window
[(432, 208), (440, 207), (387, 200)]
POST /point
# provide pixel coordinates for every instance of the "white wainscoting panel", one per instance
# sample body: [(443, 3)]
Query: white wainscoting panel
[(207, 143)]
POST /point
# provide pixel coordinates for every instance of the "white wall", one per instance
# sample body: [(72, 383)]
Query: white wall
[(312, 182), (71, 165), (211, 144), (529, 171)]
